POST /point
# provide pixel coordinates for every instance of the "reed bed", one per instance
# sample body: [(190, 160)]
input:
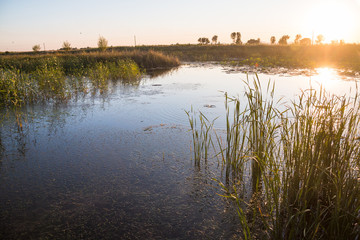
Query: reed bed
[(345, 57), (57, 77), (71, 63), (304, 161), (49, 83)]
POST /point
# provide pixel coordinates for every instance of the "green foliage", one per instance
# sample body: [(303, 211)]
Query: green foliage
[(201, 136), (25, 79), (304, 164), (102, 43)]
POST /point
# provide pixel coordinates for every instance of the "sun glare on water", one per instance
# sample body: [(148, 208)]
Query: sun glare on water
[(333, 19), (326, 76)]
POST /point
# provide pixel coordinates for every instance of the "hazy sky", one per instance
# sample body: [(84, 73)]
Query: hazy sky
[(24, 23)]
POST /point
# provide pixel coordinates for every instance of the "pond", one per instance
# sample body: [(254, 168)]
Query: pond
[(118, 165)]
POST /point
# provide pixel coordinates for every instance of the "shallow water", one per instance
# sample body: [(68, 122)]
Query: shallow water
[(118, 165)]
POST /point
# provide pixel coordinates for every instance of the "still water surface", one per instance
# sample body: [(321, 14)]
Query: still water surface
[(119, 165)]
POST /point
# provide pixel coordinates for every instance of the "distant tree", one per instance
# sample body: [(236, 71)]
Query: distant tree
[(253, 41), (102, 43), (238, 38), (203, 40), (342, 42), (305, 42), (214, 39), (233, 36), (297, 38), (272, 39), (66, 46), (36, 48), (319, 39), (283, 40)]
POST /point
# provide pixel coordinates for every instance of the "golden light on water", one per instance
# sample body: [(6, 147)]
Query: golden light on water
[(326, 76), (333, 19)]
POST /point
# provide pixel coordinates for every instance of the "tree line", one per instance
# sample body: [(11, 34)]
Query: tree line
[(235, 37), (299, 40)]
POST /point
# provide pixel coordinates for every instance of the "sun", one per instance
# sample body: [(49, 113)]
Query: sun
[(332, 19)]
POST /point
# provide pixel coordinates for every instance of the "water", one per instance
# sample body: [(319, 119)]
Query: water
[(118, 166)]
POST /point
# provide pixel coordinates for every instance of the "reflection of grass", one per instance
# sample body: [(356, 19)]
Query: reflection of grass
[(26, 79), (49, 82), (304, 167)]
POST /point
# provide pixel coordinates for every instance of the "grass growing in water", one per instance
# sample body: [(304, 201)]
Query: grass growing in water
[(48, 82), (304, 165), (201, 136)]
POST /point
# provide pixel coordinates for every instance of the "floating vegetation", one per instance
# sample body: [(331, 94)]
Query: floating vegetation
[(301, 161)]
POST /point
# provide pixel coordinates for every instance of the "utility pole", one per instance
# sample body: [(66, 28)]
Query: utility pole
[(135, 40)]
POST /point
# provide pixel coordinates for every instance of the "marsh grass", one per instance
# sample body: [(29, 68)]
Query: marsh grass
[(304, 164), (290, 56), (76, 63), (201, 136), (52, 80)]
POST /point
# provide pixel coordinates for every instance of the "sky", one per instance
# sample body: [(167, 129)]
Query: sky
[(25, 23)]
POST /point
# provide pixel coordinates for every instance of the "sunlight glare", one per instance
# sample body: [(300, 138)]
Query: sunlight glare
[(333, 19), (325, 76)]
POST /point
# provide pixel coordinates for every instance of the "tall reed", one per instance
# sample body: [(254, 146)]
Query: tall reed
[(305, 162), (201, 136), (49, 81)]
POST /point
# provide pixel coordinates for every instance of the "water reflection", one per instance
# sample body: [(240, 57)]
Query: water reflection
[(161, 72), (88, 169)]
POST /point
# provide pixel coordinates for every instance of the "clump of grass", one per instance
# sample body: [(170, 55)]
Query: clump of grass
[(304, 167), (201, 136), (51, 80)]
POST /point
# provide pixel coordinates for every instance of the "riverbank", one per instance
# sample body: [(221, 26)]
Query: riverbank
[(345, 57)]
